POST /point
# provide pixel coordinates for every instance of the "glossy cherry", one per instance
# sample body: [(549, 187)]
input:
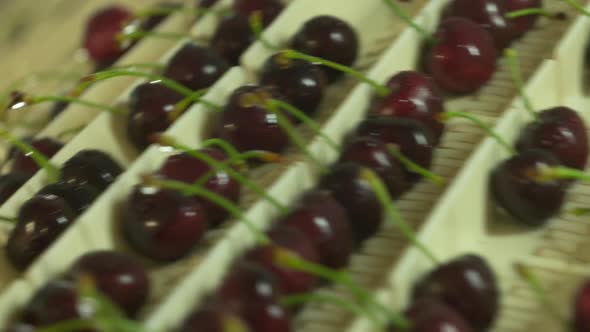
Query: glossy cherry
[(301, 82), (213, 318), (248, 124), (10, 183), (515, 189), (463, 57), (77, 197), (195, 66), (414, 140), (581, 319), (13, 151), (40, 221), (183, 167), (23, 163), (269, 9), (468, 285), (354, 193), (91, 167), (372, 153), (522, 24), (163, 225), (232, 37), (414, 96), (432, 315), (323, 220), (561, 131), (150, 105), (490, 14), (116, 275), (330, 38), (100, 37)]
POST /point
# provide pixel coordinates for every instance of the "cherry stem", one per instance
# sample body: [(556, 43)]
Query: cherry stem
[(577, 6), (531, 11), (69, 325), (550, 173), (580, 211), (32, 100), (8, 219), (381, 89), (399, 12), (224, 145), (139, 34), (71, 131), (533, 281), (169, 141), (194, 190), (515, 72), (394, 215), (256, 26), (53, 172), (414, 167), (455, 114), (195, 96)]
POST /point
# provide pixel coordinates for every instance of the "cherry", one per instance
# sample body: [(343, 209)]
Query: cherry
[(301, 82), (116, 275), (150, 105), (515, 188), (431, 315), (372, 153), (463, 58), (10, 183), (206, 3), (40, 221), (561, 131), (232, 37), (330, 38), (356, 196), (582, 309), (196, 67), (522, 24), (77, 197), (415, 96), (288, 238), (490, 14), (213, 318), (468, 285), (163, 225), (57, 108), (14, 150), (100, 37), (23, 163), (183, 167), (248, 125), (414, 139), (91, 167), (269, 9), (323, 220)]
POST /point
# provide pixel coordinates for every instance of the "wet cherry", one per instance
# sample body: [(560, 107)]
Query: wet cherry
[(522, 24), (213, 318), (196, 67), (581, 309), (232, 37), (330, 38), (163, 225), (432, 315), (23, 163), (77, 197), (515, 189), (269, 8), (91, 167), (10, 183)]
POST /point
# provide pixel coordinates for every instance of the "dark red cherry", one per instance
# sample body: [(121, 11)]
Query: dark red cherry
[(248, 125), (213, 318), (561, 131), (372, 153), (268, 8), (355, 194), (116, 275), (153, 20), (414, 140), (40, 221), (490, 14), (413, 96), (301, 82), (10, 183), (432, 315), (232, 37), (182, 167), (515, 189), (163, 225), (330, 38), (323, 220), (23, 163), (463, 58), (582, 309), (91, 167), (196, 67), (522, 24), (150, 105), (100, 37), (13, 150), (287, 238), (77, 197), (468, 285)]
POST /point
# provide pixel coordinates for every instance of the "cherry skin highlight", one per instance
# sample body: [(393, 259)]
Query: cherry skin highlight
[(78, 198), (91, 167), (196, 67), (23, 163)]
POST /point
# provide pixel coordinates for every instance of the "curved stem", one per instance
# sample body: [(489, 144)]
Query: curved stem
[(558, 172), (580, 211), (514, 65), (264, 156), (381, 89), (414, 167), (195, 96), (139, 34), (399, 12), (394, 215), (255, 21), (529, 12), (8, 219), (224, 145), (155, 66), (454, 114), (71, 131), (577, 6), (106, 74)]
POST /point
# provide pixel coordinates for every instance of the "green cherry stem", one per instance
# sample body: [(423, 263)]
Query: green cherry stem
[(550, 173), (196, 96), (70, 132), (394, 215), (381, 89), (399, 12), (124, 37), (531, 11), (515, 72), (33, 100), (224, 145), (69, 325), (414, 167), (577, 6), (580, 211), (106, 74), (255, 21), (491, 132), (8, 219), (53, 172)]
